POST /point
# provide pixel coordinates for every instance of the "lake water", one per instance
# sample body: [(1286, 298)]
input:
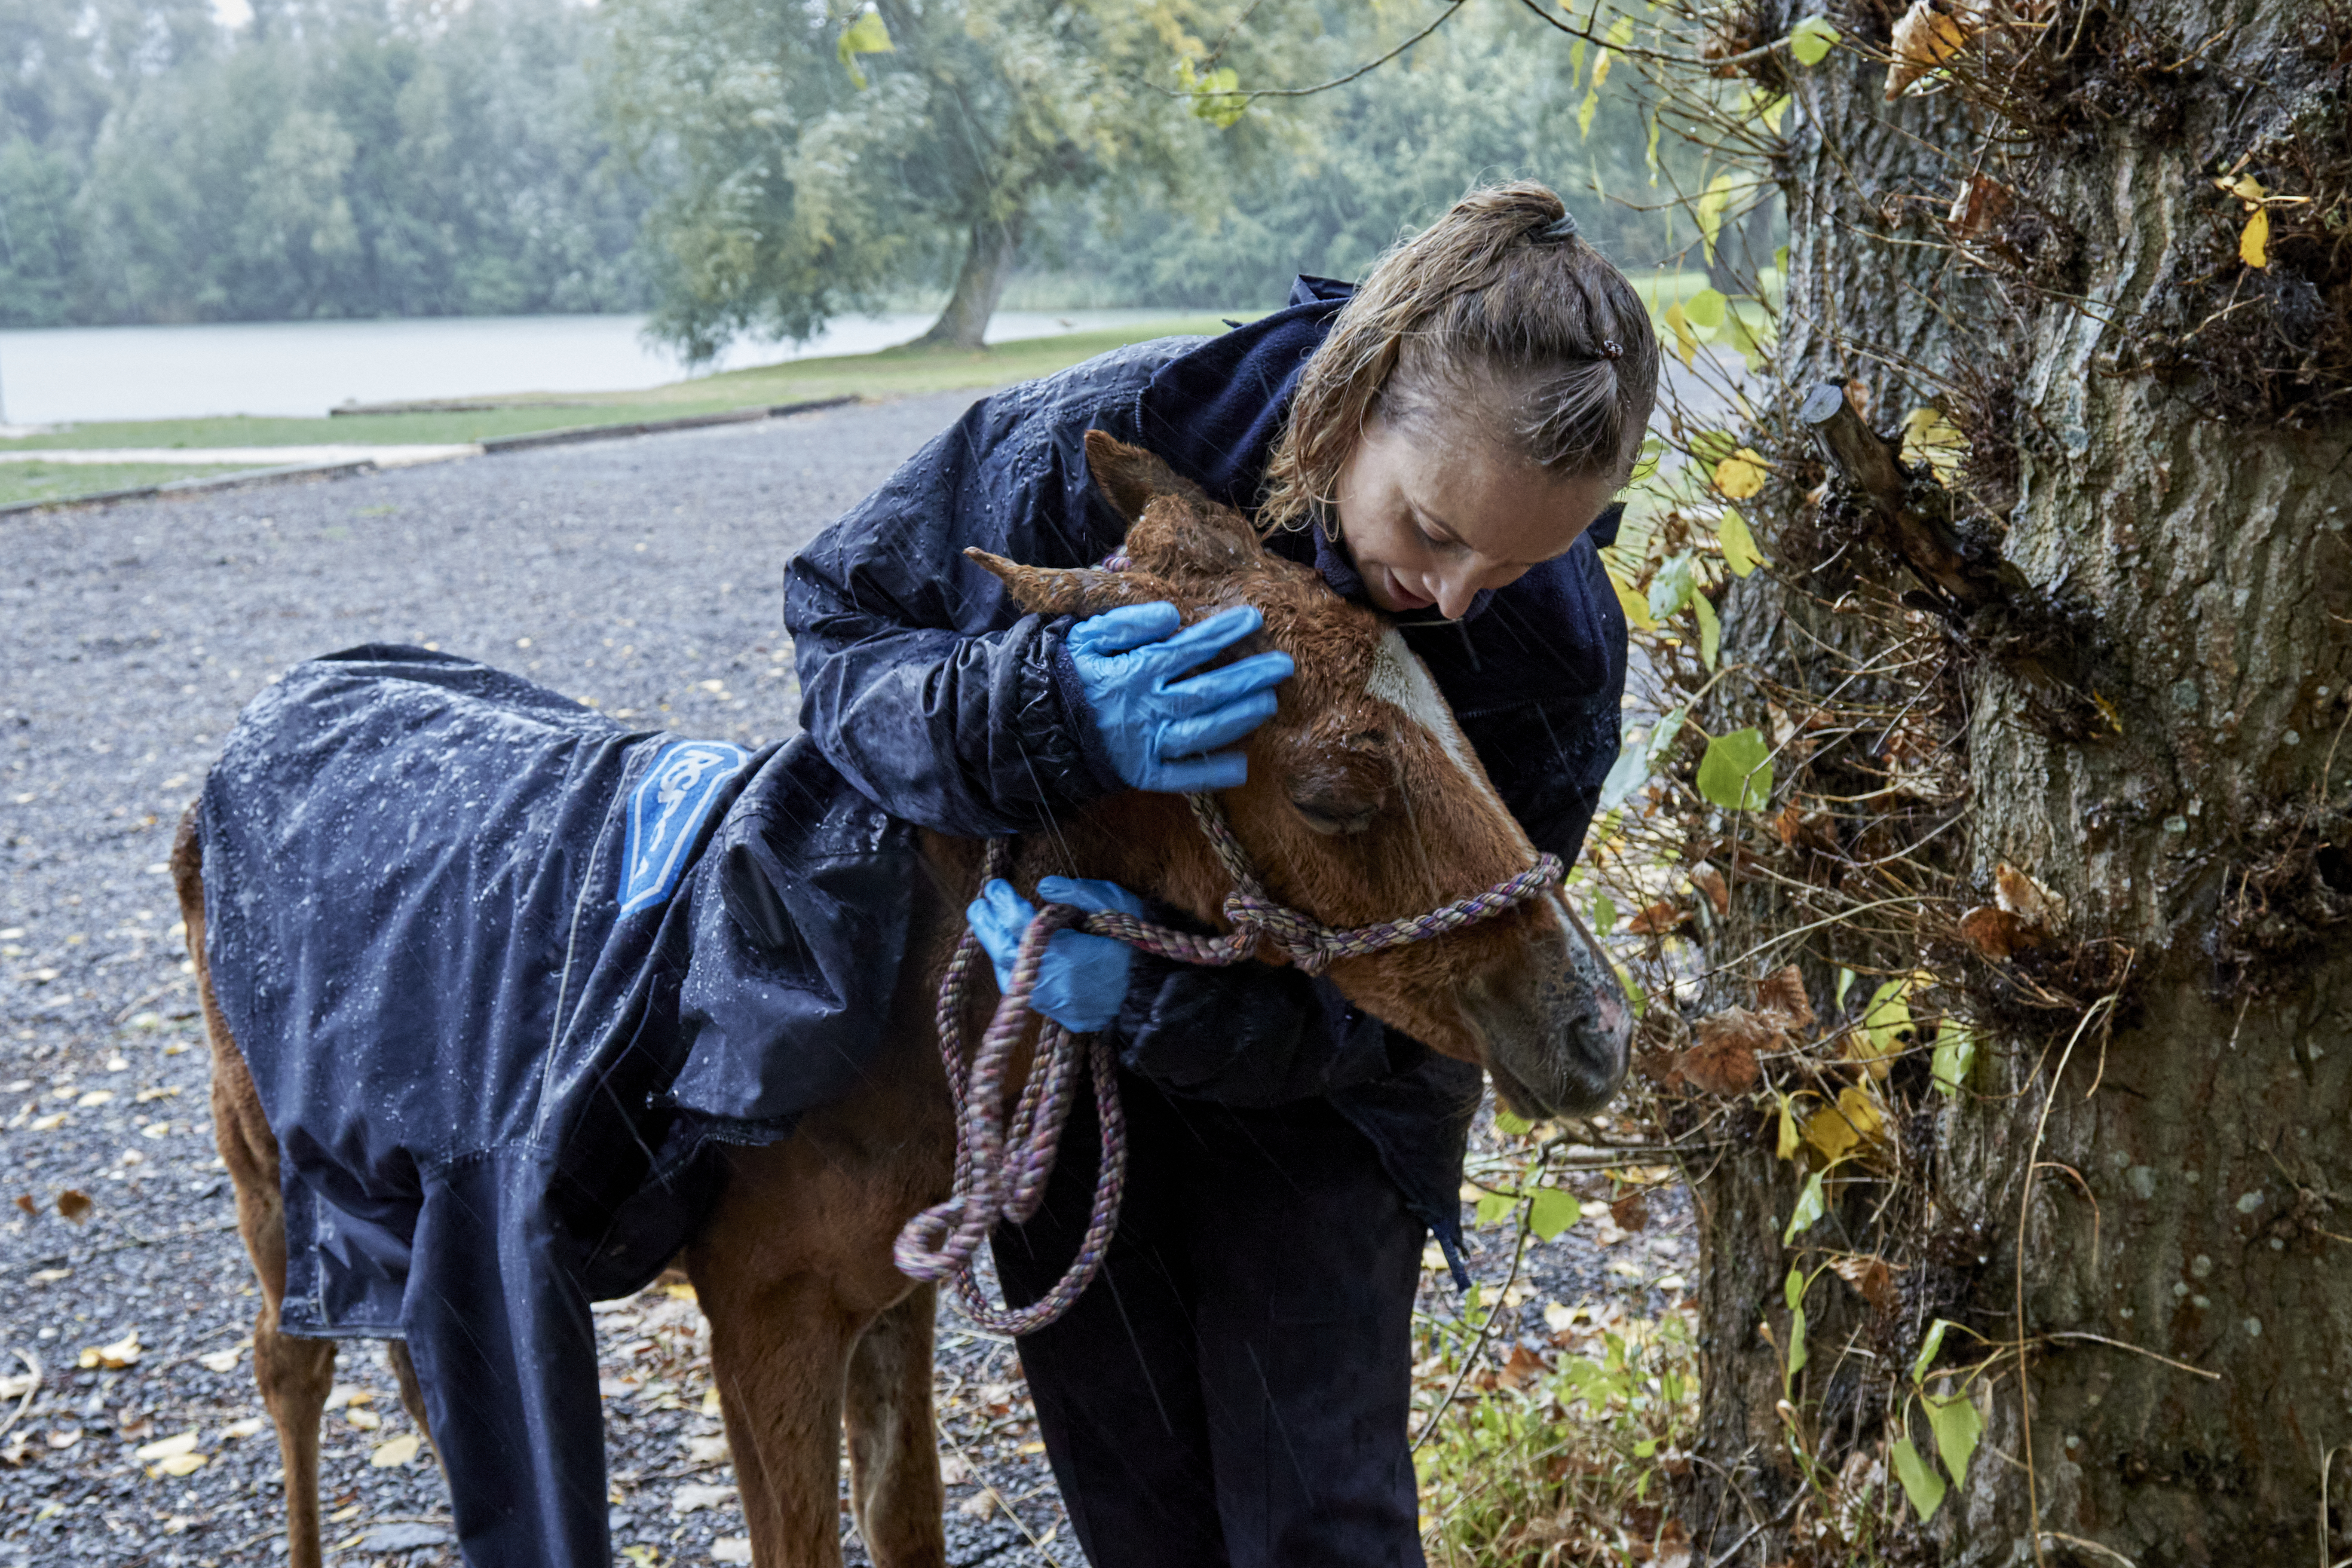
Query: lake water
[(305, 368)]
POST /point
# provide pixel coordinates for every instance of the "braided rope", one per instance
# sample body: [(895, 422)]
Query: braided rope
[(1003, 1161)]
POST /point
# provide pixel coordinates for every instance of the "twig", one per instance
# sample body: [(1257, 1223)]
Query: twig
[(27, 1402), (2135, 1350)]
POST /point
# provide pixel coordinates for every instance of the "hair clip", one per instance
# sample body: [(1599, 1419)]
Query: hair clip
[(1552, 233), (1612, 348)]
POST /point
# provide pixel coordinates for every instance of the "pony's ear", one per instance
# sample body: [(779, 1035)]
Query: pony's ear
[(1128, 477), (1069, 590)]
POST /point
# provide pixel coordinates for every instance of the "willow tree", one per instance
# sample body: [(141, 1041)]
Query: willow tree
[(825, 158), (2013, 1080)]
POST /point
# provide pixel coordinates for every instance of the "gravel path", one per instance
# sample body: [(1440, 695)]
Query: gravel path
[(641, 576)]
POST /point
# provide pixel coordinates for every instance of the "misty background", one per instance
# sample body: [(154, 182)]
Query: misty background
[(737, 170)]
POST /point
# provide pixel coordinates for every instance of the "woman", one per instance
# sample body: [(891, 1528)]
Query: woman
[(1443, 443)]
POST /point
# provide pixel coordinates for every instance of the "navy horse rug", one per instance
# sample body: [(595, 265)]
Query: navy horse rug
[(504, 972)]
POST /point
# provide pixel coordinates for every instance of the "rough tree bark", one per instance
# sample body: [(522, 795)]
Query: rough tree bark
[(988, 259), (2180, 1160)]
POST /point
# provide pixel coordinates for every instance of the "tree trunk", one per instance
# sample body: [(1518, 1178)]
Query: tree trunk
[(2133, 1211), (987, 263)]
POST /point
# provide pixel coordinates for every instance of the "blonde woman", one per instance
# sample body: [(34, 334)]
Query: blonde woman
[(1443, 441)]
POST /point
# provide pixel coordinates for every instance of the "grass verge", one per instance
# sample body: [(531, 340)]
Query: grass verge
[(60, 482), (890, 373)]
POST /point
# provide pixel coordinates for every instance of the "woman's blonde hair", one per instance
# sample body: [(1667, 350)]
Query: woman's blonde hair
[(1499, 312)]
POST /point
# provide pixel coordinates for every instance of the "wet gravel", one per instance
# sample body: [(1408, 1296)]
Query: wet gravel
[(640, 575)]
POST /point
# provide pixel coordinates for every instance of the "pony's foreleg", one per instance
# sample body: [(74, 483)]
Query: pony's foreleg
[(777, 1350), (893, 1461)]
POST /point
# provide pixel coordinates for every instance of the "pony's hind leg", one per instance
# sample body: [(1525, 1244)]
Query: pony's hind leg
[(412, 1392), (894, 1457), (295, 1374)]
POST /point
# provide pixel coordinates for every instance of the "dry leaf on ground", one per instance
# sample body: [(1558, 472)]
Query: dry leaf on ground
[(74, 1205)]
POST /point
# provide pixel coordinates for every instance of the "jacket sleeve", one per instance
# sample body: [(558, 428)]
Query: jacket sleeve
[(920, 680), (1252, 1035)]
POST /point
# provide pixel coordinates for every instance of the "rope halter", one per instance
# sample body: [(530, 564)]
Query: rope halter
[(1003, 1160)]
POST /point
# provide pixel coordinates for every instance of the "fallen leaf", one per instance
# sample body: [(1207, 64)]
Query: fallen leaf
[(2022, 895), (706, 1450), (120, 1354), (953, 1470), (1998, 934), (25, 1201), (345, 1515), (731, 1549), (1981, 201), (395, 1453), (344, 1393), (170, 1447), (1630, 1212), (980, 1505), (1782, 994), (221, 1360), (366, 1420), (74, 1205), (1723, 1061), (679, 1291), (1925, 38), (1523, 1368), (1709, 881), (50, 1276), (1872, 1277), (1657, 920), (694, 1497), (95, 1097), (182, 1465), (245, 1428), (64, 1437), (50, 1124), (710, 1401)]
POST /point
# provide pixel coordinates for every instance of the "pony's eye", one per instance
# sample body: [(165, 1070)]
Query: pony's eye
[(1333, 816)]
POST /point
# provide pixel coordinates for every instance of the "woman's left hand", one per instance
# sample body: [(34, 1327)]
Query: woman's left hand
[(1082, 980)]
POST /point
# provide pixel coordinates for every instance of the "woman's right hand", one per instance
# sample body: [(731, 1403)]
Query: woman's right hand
[(1165, 734)]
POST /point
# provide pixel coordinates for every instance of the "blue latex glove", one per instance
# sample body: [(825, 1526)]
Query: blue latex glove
[(1082, 980), (1163, 734)]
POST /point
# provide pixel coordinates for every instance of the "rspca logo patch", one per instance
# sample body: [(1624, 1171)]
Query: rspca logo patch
[(667, 810)]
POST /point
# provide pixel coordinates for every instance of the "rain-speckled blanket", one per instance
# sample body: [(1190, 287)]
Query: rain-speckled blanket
[(474, 941)]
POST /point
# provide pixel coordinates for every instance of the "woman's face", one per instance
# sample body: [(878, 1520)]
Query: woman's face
[(1433, 516)]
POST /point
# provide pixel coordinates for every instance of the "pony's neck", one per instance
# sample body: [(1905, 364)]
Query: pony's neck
[(1146, 842)]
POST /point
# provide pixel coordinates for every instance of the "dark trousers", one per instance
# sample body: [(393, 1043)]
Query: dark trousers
[(1232, 1391)]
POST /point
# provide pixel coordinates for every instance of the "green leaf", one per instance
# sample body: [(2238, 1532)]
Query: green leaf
[(1670, 590), (1584, 111), (1956, 1425), (1214, 98), (1955, 1053), (1604, 914), (1930, 1348), (1739, 551), (1651, 154), (1514, 1126), (1493, 1206), (1647, 463), (1706, 308), (1553, 1211), (1737, 772), (1636, 997), (1845, 984), (1795, 1290), (1576, 62), (1711, 203), (869, 35), (1810, 1207), (1708, 447), (1921, 1484), (1811, 39), (1774, 112), (1887, 1021), (1621, 32), (1710, 630)]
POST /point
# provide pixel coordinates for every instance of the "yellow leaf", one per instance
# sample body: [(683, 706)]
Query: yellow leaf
[(1741, 475), (679, 1292), (1710, 210), (1686, 341), (1601, 67), (183, 1465), (1786, 1147), (2246, 188), (1584, 112), (1829, 1132), (398, 1452), (1928, 438), (120, 1354), (1861, 1111), (2254, 244), (1636, 607), (1739, 546), (167, 1449)]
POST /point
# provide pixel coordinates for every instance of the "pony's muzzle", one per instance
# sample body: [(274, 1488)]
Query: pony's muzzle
[(1556, 1026)]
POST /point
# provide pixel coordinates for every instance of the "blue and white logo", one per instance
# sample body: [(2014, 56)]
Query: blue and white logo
[(667, 811)]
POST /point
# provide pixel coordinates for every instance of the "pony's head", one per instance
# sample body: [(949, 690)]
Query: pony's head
[(1364, 803)]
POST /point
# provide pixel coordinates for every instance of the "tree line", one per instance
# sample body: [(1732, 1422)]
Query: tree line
[(747, 168)]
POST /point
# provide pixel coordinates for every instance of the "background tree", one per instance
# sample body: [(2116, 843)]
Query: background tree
[(2008, 1057)]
